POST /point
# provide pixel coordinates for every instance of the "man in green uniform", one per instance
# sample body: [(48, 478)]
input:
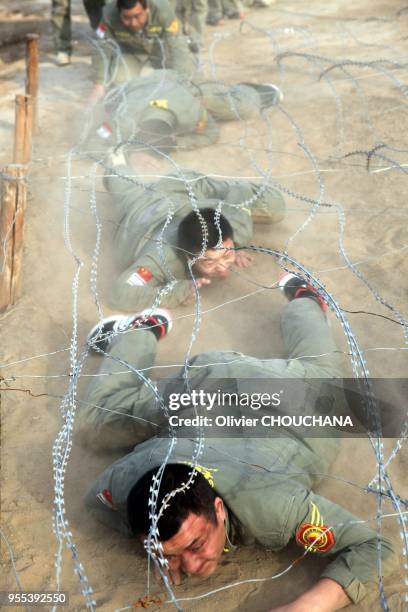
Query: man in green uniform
[(61, 29), (217, 9), (94, 10), (243, 491), (192, 14), (189, 110), (136, 35), (151, 251)]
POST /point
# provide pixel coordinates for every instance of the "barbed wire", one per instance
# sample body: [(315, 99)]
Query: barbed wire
[(381, 485)]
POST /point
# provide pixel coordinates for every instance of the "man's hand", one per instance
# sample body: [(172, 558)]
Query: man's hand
[(325, 596), (243, 259), (97, 94), (200, 282)]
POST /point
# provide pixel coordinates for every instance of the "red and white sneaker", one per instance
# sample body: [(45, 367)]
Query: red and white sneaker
[(101, 335), (294, 287)]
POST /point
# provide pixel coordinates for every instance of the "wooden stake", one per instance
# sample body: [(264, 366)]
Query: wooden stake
[(13, 204), (28, 136), (23, 129), (31, 88)]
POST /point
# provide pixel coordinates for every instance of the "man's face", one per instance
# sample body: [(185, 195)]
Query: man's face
[(134, 19), (198, 545), (216, 263)]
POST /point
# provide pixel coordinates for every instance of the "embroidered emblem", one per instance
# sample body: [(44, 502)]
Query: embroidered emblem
[(105, 497), (202, 123), (104, 130), (173, 27), (208, 473), (101, 30), (315, 536), (140, 277), (159, 103)]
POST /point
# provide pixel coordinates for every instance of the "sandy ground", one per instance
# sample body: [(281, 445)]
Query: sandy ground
[(321, 121)]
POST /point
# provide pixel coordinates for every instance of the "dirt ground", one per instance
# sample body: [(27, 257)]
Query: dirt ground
[(350, 110)]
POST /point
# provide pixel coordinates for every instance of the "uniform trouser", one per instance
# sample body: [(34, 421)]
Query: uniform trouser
[(94, 9), (229, 103), (61, 25), (128, 66), (218, 8), (120, 409), (192, 14)]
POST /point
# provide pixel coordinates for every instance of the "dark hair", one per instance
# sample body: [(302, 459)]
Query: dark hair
[(190, 231), (198, 498), (125, 5)]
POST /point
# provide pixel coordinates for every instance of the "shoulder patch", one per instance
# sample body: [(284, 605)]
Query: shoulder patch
[(105, 497), (139, 277), (101, 30), (159, 103), (207, 472), (104, 130), (315, 536), (315, 539), (174, 27)]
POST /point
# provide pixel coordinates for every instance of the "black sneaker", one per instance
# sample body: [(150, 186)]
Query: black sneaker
[(233, 15), (214, 20), (294, 287), (193, 45), (270, 94), (102, 334)]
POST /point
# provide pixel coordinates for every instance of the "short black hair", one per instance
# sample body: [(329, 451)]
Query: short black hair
[(198, 498), (191, 235), (125, 5)]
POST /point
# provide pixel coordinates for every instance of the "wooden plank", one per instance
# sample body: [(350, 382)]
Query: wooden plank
[(32, 74), (7, 213)]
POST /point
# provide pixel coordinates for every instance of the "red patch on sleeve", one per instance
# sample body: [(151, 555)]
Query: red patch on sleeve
[(101, 30), (145, 274), (316, 539), (106, 498)]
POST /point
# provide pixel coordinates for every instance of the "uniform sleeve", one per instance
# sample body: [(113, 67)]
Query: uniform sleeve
[(202, 137), (102, 53), (121, 180), (139, 285), (177, 54), (329, 529)]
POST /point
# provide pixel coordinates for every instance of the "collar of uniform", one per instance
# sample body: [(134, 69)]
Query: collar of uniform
[(230, 533)]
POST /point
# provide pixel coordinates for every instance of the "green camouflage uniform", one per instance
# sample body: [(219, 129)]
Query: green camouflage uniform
[(94, 10), (192, 14), (265, 482), (61, 25), (148, 266), (190, 108), (159, 45), (218, 8)]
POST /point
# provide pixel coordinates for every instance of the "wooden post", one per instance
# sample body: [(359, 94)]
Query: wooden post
[(13, 204), (23, 129), (31, 87)]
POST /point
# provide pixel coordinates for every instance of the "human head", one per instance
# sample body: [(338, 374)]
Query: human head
[(216, 262), (191, 529), (133, 14)]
